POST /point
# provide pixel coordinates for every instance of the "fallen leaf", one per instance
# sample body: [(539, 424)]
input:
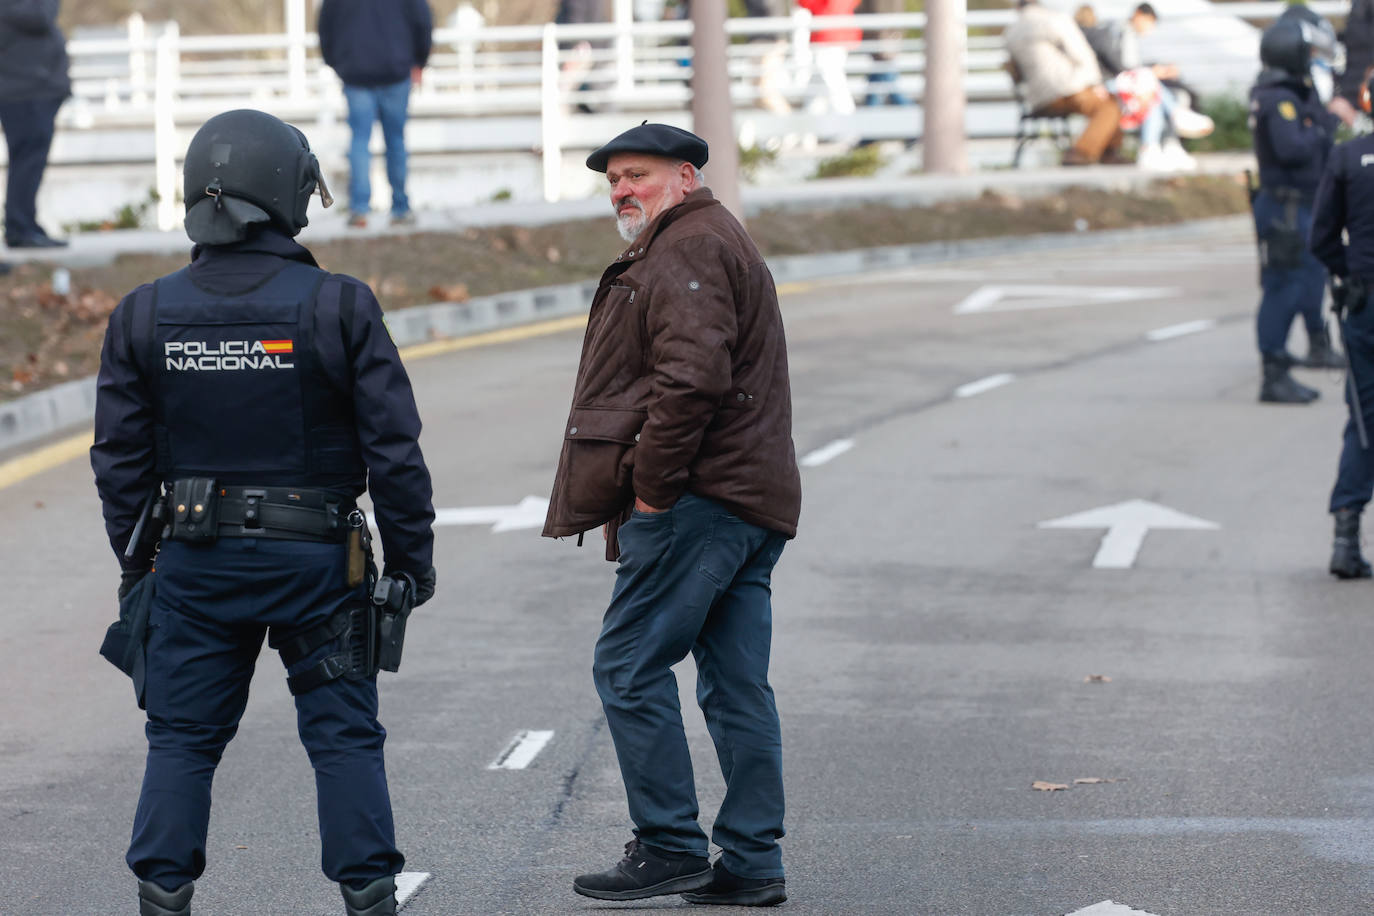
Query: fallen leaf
[(240, 847), (1097, 679), (1040, 786), (554, 255), (1091, 781), (454, 292)]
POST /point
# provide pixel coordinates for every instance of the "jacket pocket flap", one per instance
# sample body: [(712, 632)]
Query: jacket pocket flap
[(606, 424)]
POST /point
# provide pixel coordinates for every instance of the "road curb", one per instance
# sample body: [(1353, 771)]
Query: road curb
[(66, 406)]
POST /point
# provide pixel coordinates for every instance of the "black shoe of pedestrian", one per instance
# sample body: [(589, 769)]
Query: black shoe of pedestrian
[(1346, 560), (726, 889), (35, 241), (375, 899), (1278, 386), (646, 872), (154, 901), (1320, 353)]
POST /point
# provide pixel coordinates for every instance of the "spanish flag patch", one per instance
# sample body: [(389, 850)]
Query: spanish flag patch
[(277, 346)]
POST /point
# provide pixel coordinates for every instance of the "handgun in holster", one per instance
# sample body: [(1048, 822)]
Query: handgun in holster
[(393, 597)]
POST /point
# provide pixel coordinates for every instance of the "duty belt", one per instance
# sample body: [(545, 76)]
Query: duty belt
[(203, 511)]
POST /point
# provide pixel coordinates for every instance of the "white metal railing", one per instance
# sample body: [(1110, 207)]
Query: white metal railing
[(158, 79)]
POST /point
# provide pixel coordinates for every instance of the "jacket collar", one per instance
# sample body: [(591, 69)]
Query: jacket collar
[(696, 200), (264, 240)]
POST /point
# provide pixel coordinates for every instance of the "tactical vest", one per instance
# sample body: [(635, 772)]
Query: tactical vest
[(238, 392)]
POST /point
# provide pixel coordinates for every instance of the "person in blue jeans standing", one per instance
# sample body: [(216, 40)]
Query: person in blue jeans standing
[(379, 49), (679, 443)]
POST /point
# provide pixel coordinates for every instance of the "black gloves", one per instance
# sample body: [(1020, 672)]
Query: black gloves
[(128, 579), (423, 582)]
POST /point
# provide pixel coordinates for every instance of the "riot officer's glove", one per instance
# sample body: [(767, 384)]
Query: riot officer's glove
[(422, 584), (128, 579), (1339, 293)]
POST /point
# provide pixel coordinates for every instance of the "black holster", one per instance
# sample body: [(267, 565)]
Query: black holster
[(353, 630), (393, 598), (1281, 245), (124, 645)]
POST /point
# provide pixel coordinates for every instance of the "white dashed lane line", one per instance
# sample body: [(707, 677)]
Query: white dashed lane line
[(1180, 330), (523, 748), (984, 384), (826, 453)]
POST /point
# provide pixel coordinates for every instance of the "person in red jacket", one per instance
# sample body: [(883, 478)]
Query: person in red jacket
[(829, 53)]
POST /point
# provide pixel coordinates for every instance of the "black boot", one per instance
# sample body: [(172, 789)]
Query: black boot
[(646, 871), (1278, 386), (375, 899), (1320, 354), (1346, 560), (727, 889), (154, 901)]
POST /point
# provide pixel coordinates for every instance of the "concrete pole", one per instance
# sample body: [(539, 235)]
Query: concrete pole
[(713, 114), (942, 137), (295, 50)]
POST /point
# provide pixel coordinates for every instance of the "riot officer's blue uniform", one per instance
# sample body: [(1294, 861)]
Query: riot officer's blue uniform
[(1345, 204), (1292, 136), (267, 395)]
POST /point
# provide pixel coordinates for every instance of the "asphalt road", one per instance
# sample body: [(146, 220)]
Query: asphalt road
[(933, 644)]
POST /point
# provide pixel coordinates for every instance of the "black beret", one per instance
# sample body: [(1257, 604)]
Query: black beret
[(655, 139)]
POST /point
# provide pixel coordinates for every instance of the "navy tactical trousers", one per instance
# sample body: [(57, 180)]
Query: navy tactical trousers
[(1355, 474), (1287, 291), (28, 128), (695, 579), (214, 603)]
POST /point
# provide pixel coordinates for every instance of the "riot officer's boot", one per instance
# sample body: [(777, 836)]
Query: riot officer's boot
[(1320, 354), (154, 901), (375, 899), (1346, 560), (1278, 386)]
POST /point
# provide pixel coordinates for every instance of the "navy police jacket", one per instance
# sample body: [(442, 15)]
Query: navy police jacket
[(257, 368), (1345, 201), (1292, 132), (375, 42)]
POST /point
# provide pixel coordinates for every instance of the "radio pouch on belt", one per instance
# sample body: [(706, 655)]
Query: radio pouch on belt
[(195, 510)]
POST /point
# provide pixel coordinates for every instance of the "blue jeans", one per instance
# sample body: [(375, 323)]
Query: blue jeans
[(1160, 118), (1355, 473), (695, 579), (214, 604), (387, 104), (1287, 291)]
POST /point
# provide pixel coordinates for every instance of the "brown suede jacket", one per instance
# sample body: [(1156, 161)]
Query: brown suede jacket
[(683, 382)]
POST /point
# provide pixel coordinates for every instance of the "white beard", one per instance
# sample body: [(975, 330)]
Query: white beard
[(631, 223)]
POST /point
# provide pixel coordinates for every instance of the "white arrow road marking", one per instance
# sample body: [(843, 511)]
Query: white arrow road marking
[(1127, 524), (826, 453), (984, 384), (1179, 330), (528, 513), (1036, 296), (407, 883), (1107, 908), (524, 747)]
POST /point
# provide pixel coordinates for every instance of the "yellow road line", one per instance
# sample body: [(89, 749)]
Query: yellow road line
[(520, 332), (25, 466)]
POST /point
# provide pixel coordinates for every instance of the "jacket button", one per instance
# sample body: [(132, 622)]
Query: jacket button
[(636, 437), (573, 431), (740, 396)]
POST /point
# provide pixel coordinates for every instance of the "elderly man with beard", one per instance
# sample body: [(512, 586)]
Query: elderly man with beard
[(679, 443)]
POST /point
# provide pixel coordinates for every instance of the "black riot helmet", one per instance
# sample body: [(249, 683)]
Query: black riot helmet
[(1320, 34), (1285, 46), (245, 167)]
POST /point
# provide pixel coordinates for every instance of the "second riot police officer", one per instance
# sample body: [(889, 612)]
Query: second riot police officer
[(1293, 135), (255, 397), (1345, 204)]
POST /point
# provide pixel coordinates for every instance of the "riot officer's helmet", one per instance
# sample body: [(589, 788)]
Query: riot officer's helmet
[(1320, 33), (245, 167), (1286, 45)]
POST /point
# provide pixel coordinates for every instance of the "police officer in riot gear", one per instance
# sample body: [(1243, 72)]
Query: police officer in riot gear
[(256, 396), (1293, 135), (1345, 204)]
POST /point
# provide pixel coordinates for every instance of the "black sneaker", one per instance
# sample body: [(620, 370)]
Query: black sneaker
[(646, 872), (726, 889)]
